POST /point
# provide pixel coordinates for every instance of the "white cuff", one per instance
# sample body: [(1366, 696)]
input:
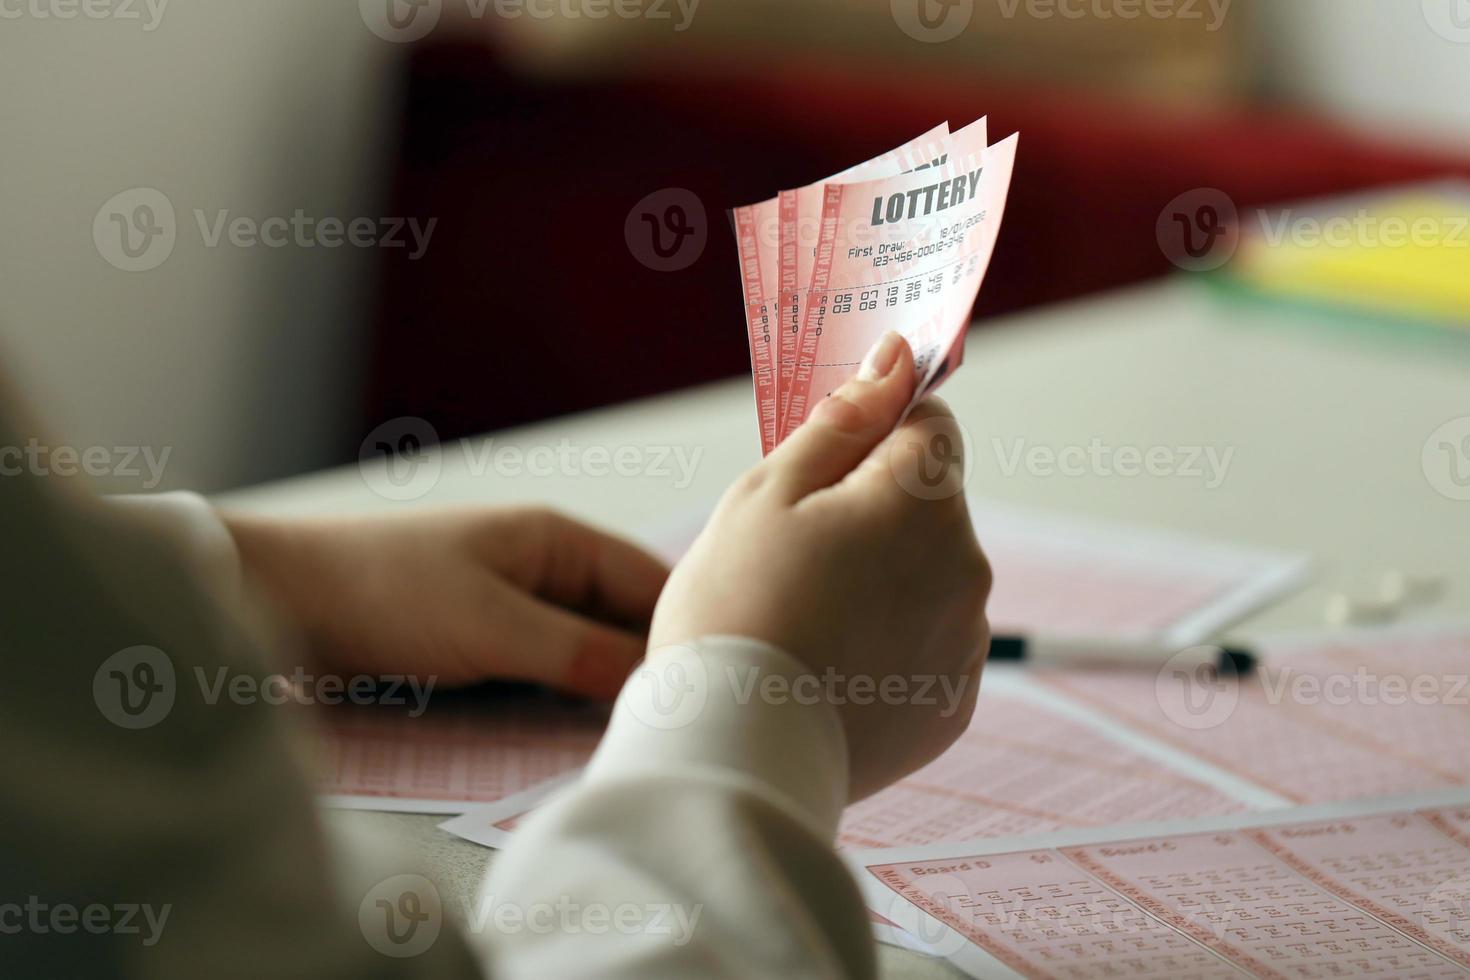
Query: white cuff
[(193, 524), (737, 705)]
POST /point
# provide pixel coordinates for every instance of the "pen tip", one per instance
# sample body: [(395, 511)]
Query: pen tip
[(1237, 660)]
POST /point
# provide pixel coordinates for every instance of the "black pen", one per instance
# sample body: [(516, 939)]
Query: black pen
[(1087, 651)]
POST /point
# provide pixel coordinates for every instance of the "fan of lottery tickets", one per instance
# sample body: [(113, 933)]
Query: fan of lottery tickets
[(900, 242)]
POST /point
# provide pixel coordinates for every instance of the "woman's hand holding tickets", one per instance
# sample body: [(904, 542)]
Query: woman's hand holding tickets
[(842, 547), (821, 550)]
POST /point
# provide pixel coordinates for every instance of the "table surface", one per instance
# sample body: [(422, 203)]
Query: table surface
[(1325, 425)]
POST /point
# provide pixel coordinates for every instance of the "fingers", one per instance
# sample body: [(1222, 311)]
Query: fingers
[(921, 462), (565, 650), (845, 427), (592, 571)]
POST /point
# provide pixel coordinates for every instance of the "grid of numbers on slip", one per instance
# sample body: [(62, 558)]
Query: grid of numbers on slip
[(1251, 905), (1305, 727), (1043, 917), (1064, 594), (1381, 895), (1394, 866), (1023, 769), (1298, 753), (463, 756), (1410, 693)]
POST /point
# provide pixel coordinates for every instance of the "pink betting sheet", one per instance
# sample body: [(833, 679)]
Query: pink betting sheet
[(1020, 768), (1364, 890), (462, 751), (456, 756), (1058, 573), (1329, 716)]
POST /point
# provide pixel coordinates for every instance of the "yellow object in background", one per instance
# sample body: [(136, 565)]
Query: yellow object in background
[(1405, 254)]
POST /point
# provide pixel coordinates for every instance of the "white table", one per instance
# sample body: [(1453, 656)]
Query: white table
[(1327, 427)]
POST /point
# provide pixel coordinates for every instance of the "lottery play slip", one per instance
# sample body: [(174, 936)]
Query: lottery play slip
[(900, 242), (1373, 889)]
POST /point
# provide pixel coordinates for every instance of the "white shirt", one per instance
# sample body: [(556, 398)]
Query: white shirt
[(697, 844)]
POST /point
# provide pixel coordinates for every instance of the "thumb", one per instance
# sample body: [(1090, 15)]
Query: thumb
[(848, 424)]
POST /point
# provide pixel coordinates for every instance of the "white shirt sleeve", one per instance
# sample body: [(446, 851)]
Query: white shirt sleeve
[(195, 528), (698, 843)]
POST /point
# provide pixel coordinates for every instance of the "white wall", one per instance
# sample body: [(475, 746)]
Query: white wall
[(1376, 62), (241, 361)]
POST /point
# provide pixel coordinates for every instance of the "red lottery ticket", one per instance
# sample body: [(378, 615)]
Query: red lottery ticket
[(824, 274), (755, 240), (904, 253), (776, 240), (800, 213)]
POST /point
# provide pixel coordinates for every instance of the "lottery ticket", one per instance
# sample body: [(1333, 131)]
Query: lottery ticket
[(755, 225), (1371, 889), (950, 228), (905, 253), (800, 214), (772, 238)]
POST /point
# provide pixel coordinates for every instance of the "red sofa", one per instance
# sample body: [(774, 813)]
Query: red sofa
[(529, 303)]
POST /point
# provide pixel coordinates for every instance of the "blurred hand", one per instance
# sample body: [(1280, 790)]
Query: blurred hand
[(820, 551), (470, 595)]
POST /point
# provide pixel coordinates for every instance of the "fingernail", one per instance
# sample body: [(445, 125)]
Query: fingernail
[(881, 358)]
